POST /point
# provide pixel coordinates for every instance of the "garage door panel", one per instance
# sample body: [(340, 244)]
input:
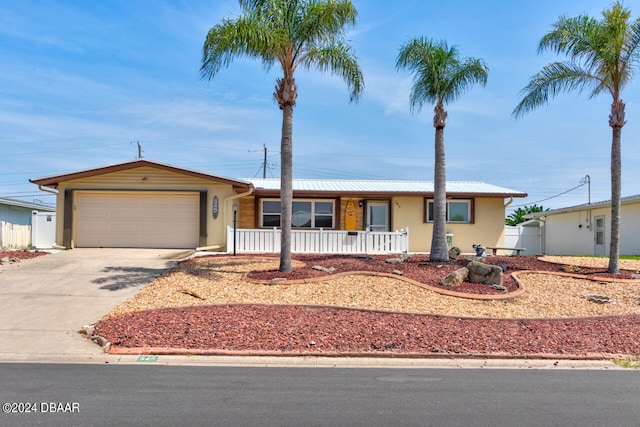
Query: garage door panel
[(146, 220)]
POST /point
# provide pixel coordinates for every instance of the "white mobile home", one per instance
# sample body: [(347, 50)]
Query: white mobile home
[(586, 229)]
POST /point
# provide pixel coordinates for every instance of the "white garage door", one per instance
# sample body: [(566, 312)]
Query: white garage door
[(137, 220)]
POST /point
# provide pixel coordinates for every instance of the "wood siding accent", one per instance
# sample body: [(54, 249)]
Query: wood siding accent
[(68, 219), (203, 218)]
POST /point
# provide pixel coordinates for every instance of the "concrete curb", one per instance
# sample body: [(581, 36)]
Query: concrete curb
[(160, 351)]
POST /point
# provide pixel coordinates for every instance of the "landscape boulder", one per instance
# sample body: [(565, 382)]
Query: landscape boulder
[(484, 273), (455, 278), (400, 259), (454, 252)]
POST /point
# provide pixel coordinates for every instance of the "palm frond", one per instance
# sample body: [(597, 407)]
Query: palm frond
[(439, 73), (338, 59), (552, 79), (601, 55)]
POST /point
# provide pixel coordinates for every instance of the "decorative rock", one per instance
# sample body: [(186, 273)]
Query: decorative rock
[(278, 279), (405, 256), (501, 288), (325, 269), (599, 299), (571, 269), (485, 273), (454, 252), (4, 261), (635, 276), (87, 330), (398, 272), (455, 278), (101, 341), (393, 260)]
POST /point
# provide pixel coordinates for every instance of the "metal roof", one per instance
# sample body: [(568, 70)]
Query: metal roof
[(623, 200), (342, 186), (28, 205)]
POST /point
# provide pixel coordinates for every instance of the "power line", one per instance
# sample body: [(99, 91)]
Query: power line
[(583, 181)]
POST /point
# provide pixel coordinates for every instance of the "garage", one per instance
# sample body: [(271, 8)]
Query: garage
[(137, 219)]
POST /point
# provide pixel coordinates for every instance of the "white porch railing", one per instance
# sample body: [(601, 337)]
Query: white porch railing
[(319, 241)]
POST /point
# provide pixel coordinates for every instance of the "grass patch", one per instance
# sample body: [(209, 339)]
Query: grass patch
[(629, 363)]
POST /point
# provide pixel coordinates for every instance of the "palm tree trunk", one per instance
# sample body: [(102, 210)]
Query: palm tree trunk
[(439, 251), (286, 94), (286, 188), (616, 121)]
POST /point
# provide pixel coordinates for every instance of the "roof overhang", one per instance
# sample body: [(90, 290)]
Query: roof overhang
[(55, 180)]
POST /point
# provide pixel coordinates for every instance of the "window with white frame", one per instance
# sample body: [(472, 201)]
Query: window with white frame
[(457, 211), (306, 213)]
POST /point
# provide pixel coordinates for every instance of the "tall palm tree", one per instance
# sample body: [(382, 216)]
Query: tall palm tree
[(440, 76), (292, 33), (602, 57)]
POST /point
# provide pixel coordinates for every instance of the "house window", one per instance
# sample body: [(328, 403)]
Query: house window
[(457, 211), (306, 213)]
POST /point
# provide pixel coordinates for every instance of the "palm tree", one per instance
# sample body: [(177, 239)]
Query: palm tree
[(292, 33), (602, 56), (440, 76)]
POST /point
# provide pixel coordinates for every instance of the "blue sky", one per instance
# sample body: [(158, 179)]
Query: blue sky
[(81, 82)]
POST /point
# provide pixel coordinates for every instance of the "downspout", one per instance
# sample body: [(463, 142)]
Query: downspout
[(508, 203), (224, 215)]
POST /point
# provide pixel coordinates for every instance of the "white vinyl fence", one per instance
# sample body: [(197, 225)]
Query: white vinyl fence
[(43, 231), (14, 236), (528, 236), (319, 241)]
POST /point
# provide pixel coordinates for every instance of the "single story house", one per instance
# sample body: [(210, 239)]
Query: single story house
[(586, 229), (19, 212), (142, 203)]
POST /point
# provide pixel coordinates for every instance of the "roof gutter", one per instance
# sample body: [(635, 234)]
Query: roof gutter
[(47, 190)]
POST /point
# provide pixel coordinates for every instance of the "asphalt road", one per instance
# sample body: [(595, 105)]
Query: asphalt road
[(145, 395)]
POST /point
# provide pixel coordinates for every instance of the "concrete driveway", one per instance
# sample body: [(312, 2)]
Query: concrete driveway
[(46, 300)]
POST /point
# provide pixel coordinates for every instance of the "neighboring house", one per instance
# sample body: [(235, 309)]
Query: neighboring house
[(142, 203), (585, 229), (19, 212), (16, 220)]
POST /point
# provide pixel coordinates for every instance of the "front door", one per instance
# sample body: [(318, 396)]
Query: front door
[(377, 216), (599, 237)]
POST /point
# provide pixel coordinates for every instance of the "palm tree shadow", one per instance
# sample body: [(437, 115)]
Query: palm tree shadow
[(127, 277)]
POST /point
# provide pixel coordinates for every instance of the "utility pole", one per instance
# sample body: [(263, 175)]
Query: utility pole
[(139, 148), (264, 164), (587, 180)]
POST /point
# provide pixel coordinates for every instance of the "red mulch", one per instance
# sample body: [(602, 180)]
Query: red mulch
[(301, 330), (294, 330), (20, 254)]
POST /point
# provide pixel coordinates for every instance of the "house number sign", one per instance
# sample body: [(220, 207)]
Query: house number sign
[(215, 207)]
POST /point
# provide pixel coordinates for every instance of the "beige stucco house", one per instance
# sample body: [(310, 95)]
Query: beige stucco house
[(142, 203), (585, 229)]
